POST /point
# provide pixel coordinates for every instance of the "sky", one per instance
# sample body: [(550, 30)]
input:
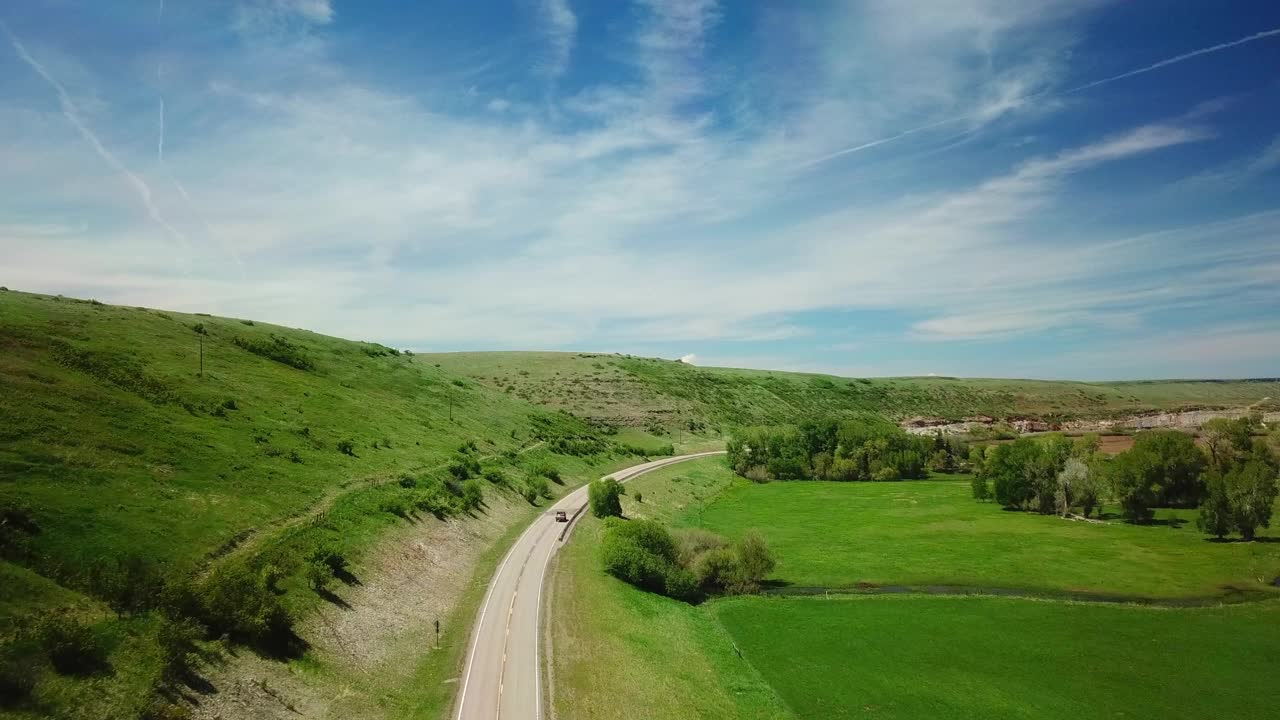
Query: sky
[(1002, 188)]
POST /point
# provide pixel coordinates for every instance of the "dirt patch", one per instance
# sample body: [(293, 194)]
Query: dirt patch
[(371, 639)]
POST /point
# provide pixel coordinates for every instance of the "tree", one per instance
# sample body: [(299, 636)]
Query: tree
[(1132, 479), (1215, 512), (1008, 467), (1071, 481), (981, 491), (605, 498), (1251, 494), (1176, 465), (755, 560)]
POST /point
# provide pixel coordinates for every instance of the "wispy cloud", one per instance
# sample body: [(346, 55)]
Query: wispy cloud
[(561, 28), (72, 113), (1009, 100)]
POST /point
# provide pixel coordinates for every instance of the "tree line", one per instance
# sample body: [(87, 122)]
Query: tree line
[(1232, 479), (852, 449)]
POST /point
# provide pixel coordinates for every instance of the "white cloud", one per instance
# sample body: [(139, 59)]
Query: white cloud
[(561, 28)]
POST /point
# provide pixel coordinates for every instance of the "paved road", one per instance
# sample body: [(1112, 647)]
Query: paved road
[(503, 677)]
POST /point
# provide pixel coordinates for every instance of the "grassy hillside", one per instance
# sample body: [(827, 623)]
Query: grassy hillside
[(126, 471), (641, 392)]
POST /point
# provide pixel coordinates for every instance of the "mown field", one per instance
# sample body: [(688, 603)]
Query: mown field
[(972, 657), (668, 395), (125, 470), (912, 654)]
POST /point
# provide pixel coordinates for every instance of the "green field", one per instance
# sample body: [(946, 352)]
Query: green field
[(950, 657), (617, 650), (644, 392), (831, 534), (916, 655)]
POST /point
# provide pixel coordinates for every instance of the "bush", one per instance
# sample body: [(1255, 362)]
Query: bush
[(548, 471), (1132, 478), (464, 466), (277, 349), (472, 494), (347, 447), (495, 476), (981, 490), (640, 498), (72, 647), (605, 497), (176, 641), (643, 553), (17, 680), (755, 560), (240, 603), (129, 584)]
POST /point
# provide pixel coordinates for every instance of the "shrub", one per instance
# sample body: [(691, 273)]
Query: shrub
[(397, 505), (72, 647), (240, 604), (548, 471), (981, 490), (1251, 494), (176, 641), (408, 481), (17, 680), (756, 559), (347, 447), (129, 584), (640, 498), (463, 467), (277, 349), (495, 476), (1215, 516), (605, 497), (1132, 477), (472, 494)]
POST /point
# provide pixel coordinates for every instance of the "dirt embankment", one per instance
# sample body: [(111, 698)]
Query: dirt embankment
[(372, 636)]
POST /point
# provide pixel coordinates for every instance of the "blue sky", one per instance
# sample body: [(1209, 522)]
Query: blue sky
[(1017, 188)]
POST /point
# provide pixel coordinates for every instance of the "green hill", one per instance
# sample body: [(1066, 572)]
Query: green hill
[(639, 392), (126, 472)]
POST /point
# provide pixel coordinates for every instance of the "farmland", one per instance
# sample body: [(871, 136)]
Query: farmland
[(889, 600)]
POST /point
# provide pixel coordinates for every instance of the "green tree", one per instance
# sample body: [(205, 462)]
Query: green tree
[(1176, 465), (981, 490), (1012, 469), (755, 560), (1132, 477), (1071, 481), (605, 498), (1215, 516), (1251, 493)]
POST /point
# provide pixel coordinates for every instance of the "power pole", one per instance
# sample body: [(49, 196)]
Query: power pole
[(437, 633)]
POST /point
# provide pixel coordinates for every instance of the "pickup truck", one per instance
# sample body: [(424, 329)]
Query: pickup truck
[(562, 516)]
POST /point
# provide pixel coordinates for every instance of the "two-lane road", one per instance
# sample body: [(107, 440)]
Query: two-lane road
[(502, 676)]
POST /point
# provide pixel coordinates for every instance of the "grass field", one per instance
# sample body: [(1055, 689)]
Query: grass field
[(832, 534), (950, 657), (621, 653), (918, 655), (644, 392)]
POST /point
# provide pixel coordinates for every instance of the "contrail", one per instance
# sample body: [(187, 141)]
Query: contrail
[(1035, 96), (72, 113)]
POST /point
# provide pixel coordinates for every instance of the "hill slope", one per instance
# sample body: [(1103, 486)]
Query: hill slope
[(126, 472), (638, 392)]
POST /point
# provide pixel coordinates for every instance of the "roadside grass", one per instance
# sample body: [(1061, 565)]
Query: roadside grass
[(618, 652), (981, 657), (833, 534)]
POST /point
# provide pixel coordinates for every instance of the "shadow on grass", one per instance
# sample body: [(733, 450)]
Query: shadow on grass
[(1232, 541), (346, 577), (331, 597)]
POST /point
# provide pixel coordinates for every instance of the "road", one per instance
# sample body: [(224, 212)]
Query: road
[(502, 679)]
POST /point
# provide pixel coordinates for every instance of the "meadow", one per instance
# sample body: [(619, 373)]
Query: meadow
[(982, 657), (932, 532), (907, 653)]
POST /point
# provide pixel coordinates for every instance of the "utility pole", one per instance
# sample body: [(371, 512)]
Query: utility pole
[(437, 633)]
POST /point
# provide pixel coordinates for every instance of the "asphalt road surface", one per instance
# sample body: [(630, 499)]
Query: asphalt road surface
[(502, 679)]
